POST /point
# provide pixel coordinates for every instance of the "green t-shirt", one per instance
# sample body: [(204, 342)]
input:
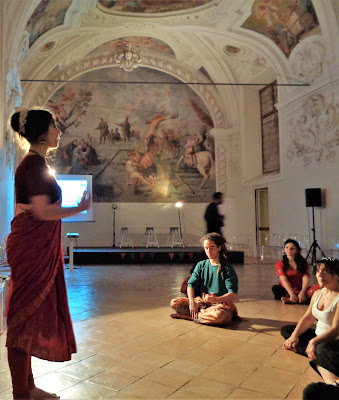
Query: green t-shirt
[(205, 278)]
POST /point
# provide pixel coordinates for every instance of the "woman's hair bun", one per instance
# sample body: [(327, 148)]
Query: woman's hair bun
[(15, 122), (31, 124)]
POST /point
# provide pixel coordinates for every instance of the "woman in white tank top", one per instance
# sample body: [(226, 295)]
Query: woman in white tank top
[(322, 344)]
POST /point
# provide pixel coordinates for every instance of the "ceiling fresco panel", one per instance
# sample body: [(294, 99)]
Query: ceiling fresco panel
[(48, 15), (286, 22), (151, 6)]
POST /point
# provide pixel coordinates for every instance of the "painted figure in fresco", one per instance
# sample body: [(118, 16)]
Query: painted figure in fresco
[(67, 151), (195, 146), (116, 137), (91, 154), (284, 21), (58, 111), (80, 153), (196, 156), (157, 120), (103, 130), (134, 177), (89, 138), (126, 129)]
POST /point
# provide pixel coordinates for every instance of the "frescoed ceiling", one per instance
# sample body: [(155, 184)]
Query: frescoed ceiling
[(286, 22), (48, 15), (213, 42), (151, 6)]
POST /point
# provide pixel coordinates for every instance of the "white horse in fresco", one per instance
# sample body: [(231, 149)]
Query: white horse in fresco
[(204, 163)]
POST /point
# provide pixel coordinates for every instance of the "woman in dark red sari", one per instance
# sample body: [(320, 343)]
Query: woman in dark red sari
[(38, 319)]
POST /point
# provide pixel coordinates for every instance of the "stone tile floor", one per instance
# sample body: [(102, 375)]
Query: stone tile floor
[(130, 348)]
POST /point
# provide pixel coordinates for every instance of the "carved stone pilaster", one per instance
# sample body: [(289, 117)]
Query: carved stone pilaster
[(227, 145), (220, 142)]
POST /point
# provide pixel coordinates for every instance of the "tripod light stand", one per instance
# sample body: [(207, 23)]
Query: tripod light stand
[(179, 205), (114, 207), (314, 246)]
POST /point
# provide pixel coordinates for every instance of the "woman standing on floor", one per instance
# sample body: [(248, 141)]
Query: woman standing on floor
[(38, 319), (322, 344), (293, 274)]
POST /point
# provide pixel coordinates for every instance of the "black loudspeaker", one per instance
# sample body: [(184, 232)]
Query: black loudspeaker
[(313, 197)]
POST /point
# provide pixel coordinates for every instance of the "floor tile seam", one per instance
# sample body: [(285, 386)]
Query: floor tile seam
[(137, 378), (77, 383), (226, 384), (145, 376), (81, 380), (150, 381), (140, 354)]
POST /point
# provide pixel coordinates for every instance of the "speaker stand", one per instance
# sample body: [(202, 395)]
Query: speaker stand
[(314, 246)]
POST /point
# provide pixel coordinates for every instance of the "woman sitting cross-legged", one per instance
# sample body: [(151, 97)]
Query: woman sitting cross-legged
[(217, 281), (293, 274), (322, 344)]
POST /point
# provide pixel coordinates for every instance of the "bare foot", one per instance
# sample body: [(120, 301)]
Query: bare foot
[(286, 300), (180, 316), (38, 393)]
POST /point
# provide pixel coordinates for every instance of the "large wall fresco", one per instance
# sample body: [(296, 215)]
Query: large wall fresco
[(48, 15), (151, 6), (286, 22), (142, 142), (144, 42)]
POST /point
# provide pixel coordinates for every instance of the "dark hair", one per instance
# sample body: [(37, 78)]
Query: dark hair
[(331, 264), (302, 265), (219, 241), (32, 124), (217, 195)]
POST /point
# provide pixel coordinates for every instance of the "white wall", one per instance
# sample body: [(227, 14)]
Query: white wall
[(251, 134)]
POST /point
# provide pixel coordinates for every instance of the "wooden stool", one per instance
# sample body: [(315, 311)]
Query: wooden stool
[(125, 238), (150, 238), (174, 237)]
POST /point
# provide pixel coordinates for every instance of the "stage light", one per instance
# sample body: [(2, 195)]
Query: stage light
[(178, 205)]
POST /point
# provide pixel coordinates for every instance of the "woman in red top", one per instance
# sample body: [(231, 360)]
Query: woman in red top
[(38, 319), (293, 274)]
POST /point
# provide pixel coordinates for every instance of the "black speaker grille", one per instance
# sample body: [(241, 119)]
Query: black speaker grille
[(313, 197)]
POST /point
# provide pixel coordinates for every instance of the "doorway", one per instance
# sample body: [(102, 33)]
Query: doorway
[(262, 218)]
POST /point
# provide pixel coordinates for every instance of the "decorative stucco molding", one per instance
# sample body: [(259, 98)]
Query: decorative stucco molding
[(233, 156), (314, 134), (246, 65), (13, 97), (307, 59), (23, 49), (207, 93), (221, 156), (13, 88)]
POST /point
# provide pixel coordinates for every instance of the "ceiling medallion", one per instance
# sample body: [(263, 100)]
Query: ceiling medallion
[(48, 46), (128, 58), (231, 50)]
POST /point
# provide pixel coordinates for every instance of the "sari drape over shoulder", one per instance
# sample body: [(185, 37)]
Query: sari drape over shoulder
[(38, 318)]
